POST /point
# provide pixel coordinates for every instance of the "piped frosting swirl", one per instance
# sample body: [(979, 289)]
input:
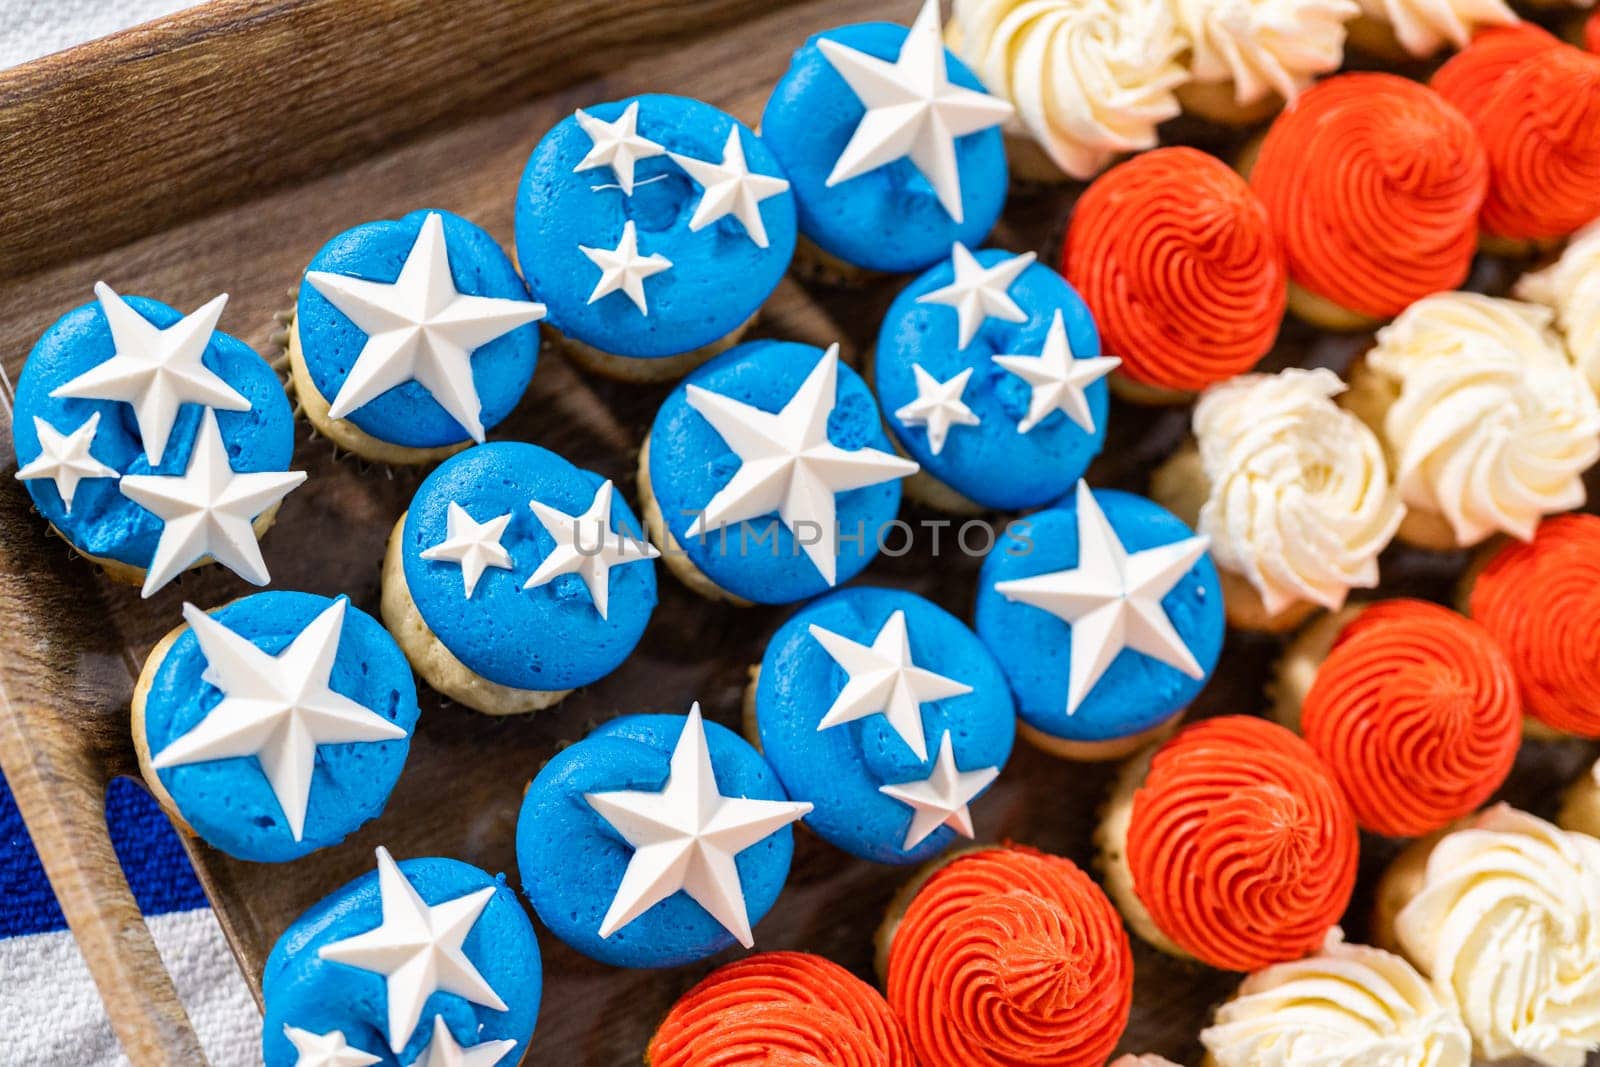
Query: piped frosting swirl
[(1571, 288), (1424, 26), (1264, 46)]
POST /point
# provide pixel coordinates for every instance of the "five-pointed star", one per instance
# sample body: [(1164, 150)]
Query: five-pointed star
[(325, 1050), (156, 371), (687, 836), (1112, 599), (980, 292), (587, 546), (912, 110), (616, 145), (1058, 381), (444, 1051), (417, 948), (65, 458), (474, 546), (938, 406), (883, 680), (623, 268), (208, 510), (730, 188), (275, 708), (941, 799), (788, 465), (420, 328)]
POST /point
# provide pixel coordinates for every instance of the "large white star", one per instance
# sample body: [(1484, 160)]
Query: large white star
[(788, 465), (1112, 599), (156, 371), (941, 799), (616, 145), (587, 546), (912, 110), (325, 1050), (687, 836), (65, 458), (938, 406), (623, 268), (730, 188), (472, 545), (208, 510), (445, 1051), (417, 949), (1058, 381), (420, 328), (980, 292)]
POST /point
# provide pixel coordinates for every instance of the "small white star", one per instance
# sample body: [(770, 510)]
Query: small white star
[(590, 559), (731, 188), (616, 145), (941, 799), (1058, 380), (444, 1051), (325, 1050), (980, 292), (474, 546), (1112, 599), (938, 406), (623, 268), (65, 458)]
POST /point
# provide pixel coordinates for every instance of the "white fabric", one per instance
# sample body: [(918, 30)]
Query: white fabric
[(33, 28)]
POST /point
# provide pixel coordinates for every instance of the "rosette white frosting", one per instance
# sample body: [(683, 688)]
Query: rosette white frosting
[(1264, 46), (1571, 288), (1424, 26)]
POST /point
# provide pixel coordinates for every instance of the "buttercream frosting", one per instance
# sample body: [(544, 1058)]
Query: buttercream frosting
[(1571, 288), (1424, 26), (1264, 46)]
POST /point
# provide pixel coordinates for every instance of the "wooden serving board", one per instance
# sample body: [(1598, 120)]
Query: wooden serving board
[(216, 151)]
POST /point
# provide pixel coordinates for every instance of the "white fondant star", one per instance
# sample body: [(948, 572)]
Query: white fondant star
[(587, 546), (623, 268), (788, 465), (616, 145), (980, 292), (420, 328), (472, 545), (941, 799), (154, 370), (686, 837), (444, 1051), (65, 458), (417, 949), (938, 406), (730, 188), (1057, 379), (325, 1050), (1112, 599), (208, 510)]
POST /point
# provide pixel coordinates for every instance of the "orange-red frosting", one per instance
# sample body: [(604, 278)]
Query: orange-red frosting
[(1535, 102), (1415, 712), (780, 1009), (1591, 33), (1541, 601), (1242, 847), (1177, 259), (1009, 957), (1374, 184)]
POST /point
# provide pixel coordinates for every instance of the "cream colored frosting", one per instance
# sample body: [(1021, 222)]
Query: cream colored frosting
[(1571, 288), (1090, 79), (1424, 26), (1264, 46)]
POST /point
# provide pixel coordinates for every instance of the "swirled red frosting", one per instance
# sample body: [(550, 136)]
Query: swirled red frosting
[(780, 1009), (1177, 259), (1416, 713), (1541, 601), (1009, 957), (1241, 845), (1373, 183)]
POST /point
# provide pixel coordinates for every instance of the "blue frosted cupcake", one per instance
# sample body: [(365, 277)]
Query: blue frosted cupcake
[(655, 841), (411, 338), (515, 577), (151, 441), (1106, 615), (767, 477), (425, 961), (888, 715), (654, 227)]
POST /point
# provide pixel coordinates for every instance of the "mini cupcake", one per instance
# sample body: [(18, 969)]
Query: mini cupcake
[(515, 577), (886, 714), (767, 477), (1230, 844), (1106, 616), (1373, 183), (1580, 805), (655, 841), (411, 338), (151, 441), (1398, 30), (431, 961), (655, 228), (1571, 288), (1247, 58), (988, 368), (892, 145), (1004, 957), (275, 725)]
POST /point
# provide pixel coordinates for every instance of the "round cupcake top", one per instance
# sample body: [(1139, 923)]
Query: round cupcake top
[(888, 715), (151, 439), (989, 370), (1571, 288), (1008, 956), (653, 226), (1177, 259), (1242, 848), (1424, 26), (417, 330), (655, 841), (1373, 183), (780, 1007), (1264, 47)]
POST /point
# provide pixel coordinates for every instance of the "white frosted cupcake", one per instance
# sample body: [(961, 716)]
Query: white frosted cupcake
[(1249, 57), (1571, 288), (1398, 29), (1580, 807)]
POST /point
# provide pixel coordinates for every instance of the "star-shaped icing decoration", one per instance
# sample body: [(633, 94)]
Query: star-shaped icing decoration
[(65, 458), (587, 546), (980, 292), (788, 465), (913, 111), (445, 1051), (686, 837), (1058, 381), (208, 510), (882, 680), (938, 406), (417, 949), (623, 269), (326, 1050), (616, 145), (420, 328), (730, 188), (941, 799), (472, 545), (1112, 599), (154, 370), (277, 709)]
